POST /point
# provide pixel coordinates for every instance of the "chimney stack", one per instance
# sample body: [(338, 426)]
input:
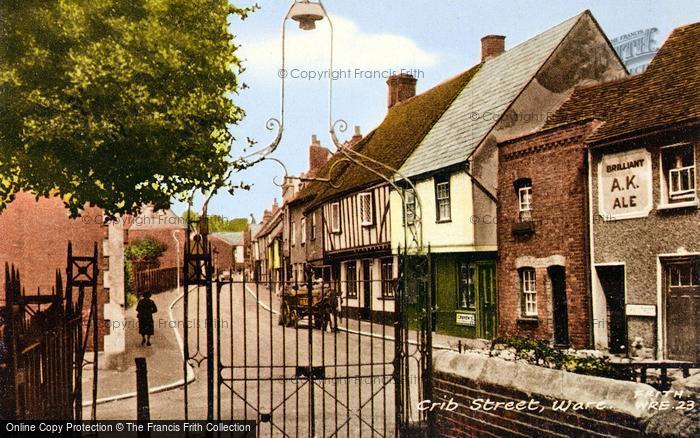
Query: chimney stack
[(357, 136), (318, 156), (401, 87), (492, 46)]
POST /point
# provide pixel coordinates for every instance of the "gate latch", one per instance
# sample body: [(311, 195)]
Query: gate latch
[(311, 372)]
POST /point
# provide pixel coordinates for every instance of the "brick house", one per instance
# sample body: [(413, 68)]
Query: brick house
[(543, 235), (227, 251), (598, 224), (455, 167), (303, 229), (644, 216), (35, 236)]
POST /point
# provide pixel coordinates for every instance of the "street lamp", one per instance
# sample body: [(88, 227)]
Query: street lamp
[(307, 13)]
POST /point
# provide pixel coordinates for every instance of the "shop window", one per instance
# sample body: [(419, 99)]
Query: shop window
[(351, 279), (528, 292), (442, 198), (678, 173), (387, 272), (366, 209), (467, 290), (335, 217)]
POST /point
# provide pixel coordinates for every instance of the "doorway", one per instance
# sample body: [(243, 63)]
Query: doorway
[(682, 309), (612, 280), (366, 289), (557, 278)]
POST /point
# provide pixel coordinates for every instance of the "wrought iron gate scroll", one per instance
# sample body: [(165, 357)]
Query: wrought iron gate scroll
[(291, 355)]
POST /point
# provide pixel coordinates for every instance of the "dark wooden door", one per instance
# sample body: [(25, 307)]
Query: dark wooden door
[(366, 288), (486, 294), (683, 312), (557, 276)]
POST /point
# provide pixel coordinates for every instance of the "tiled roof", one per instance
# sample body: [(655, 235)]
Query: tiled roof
[(232, 238), (404, 126), (482, 102), (666, 94)]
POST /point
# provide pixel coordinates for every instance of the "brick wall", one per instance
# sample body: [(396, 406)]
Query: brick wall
[(555, 162), (469, 379), (34, 236)]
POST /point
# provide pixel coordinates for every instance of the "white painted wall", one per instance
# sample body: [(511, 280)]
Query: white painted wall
[(454, 236), (115, 341), (378, 304), (600, 313)]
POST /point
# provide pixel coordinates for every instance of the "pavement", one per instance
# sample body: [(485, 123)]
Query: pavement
[(163, 357)]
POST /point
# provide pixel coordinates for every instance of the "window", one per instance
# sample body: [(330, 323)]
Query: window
[(387, 272), (303, 230), (351, 279), (684, 274), (365, 200), (525, 203), (442, 197), (528, 291), (409, 207), (678, 173), (293, 233), (335, 217), (467, 292), (313, 226)]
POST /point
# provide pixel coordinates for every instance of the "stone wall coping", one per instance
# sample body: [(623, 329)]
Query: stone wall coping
[(624, 397)]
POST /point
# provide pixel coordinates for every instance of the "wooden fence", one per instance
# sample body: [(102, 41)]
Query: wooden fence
[(155, 280)]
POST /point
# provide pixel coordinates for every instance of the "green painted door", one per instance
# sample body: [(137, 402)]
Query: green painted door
[(486, 297)]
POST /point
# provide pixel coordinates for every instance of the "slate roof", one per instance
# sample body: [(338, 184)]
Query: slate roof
[(232, 238), (481, 103), (404, 126), (666, 94)]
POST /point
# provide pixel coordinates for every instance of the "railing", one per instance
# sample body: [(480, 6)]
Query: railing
[(40, 341), (155, 280), (662, 381)]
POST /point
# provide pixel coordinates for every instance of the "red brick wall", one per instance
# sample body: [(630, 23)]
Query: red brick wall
[(34, 236), (555, 161), (467, 422)]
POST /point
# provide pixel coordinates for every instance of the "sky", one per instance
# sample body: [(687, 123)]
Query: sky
[(433, 40)]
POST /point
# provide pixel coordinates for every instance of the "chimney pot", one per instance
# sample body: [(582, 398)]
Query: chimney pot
[(492, 46), (401, 87)]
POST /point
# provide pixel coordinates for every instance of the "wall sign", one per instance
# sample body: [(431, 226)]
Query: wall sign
[(625, 185), (466, 319), (636, 49), (640, 310)]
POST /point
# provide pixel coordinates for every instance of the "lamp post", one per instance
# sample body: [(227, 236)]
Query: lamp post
[(307, 13)]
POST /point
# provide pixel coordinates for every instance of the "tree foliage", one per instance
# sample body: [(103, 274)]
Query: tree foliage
[(218, 223), (116, 103)]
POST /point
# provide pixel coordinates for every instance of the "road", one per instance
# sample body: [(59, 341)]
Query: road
[(265, 366)]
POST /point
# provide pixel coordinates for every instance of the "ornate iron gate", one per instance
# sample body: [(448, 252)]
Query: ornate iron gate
[(295, 358), (43, 340)]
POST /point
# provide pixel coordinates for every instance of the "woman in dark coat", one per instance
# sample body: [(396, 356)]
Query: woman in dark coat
[(144, 312)]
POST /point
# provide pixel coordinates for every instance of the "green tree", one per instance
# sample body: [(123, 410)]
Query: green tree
[(117, 103), (218, 223)]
